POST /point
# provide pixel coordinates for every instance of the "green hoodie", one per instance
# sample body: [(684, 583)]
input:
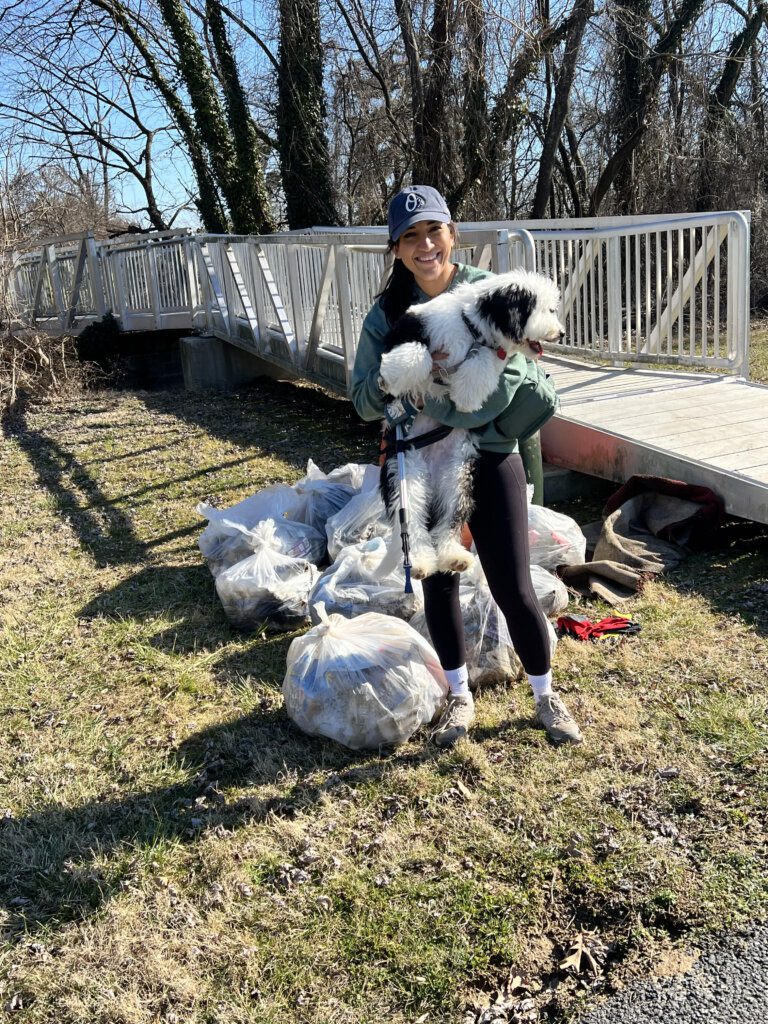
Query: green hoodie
[(486, 423)]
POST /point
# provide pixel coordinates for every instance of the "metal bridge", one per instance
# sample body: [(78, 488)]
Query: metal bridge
[(653, 373)]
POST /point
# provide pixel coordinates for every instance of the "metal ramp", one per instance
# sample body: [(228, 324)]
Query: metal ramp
[(700, 428)]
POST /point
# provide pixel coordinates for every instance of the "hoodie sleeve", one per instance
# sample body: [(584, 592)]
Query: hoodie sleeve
[(444, 411), (364, 391)]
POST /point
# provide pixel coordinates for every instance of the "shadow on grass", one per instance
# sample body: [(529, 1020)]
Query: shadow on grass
[(62, 863), (102, 527), (286, 420), (186, 597), (289, 422), (732, 574)]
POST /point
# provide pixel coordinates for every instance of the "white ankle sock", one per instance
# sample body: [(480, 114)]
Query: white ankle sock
[(458, 680), (541, 685)]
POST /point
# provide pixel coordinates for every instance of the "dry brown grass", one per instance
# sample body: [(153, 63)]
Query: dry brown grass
[(174, 850)]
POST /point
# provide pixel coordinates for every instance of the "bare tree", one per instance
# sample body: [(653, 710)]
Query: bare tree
[(719, 100), (639, 85), (582, 12)]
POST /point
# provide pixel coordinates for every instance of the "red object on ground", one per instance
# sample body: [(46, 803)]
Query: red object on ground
[(583, 629)]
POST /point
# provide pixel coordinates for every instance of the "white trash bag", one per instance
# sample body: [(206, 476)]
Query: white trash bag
[(226, 524), (366, 682), (555, 539), (362, 518), (551, 592), (322, 496), (268, 586), (292, 538), (349, 587), (353, 474)]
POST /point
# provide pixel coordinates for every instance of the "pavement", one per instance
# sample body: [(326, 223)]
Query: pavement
[(728, 984)]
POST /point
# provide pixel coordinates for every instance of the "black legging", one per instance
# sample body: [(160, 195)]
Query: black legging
[(499, 525)]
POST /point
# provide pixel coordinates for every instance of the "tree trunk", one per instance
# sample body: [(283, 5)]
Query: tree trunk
[(640, 103), (717, 105), (304, 155), (480, 198), (433, 159), (413, 59), (582, 12), (210, 119), (248, 159)]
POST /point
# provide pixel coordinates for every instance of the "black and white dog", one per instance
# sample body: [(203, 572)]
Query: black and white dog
[(477, 327)]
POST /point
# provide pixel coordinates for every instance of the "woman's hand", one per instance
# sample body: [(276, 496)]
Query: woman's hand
[(438, 358)]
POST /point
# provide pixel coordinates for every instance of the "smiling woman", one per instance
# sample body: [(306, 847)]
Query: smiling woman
[(425, 250), (422, 237)]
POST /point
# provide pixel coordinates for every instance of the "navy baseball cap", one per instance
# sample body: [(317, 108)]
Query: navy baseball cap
[(415, 203)]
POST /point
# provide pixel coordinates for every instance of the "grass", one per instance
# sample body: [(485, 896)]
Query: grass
[(758, 351), (172, 849)]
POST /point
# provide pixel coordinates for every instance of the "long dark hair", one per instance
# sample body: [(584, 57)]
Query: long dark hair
[(398, 293), (400, 290)]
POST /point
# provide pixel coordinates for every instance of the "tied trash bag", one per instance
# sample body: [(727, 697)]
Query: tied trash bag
[(323, 496), (349, 587), (366, 682), (555, 539), (551, 592), (297, 540), (353, 474), (267, 585), (362, 518), (226, 524)]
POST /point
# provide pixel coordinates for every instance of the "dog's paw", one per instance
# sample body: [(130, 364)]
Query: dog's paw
[(423, 564), (454, 557), (407, 368), (474, 381)]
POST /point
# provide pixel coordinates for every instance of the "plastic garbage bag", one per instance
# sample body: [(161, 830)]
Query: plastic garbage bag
[(298, 540), (267, 586), (555, 539), (321, 496), (362, 518), (274, 502), (366, 682), (349, 586), (551, 592), (352, 474)]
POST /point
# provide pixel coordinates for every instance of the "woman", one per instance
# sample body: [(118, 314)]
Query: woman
[(422, 237)]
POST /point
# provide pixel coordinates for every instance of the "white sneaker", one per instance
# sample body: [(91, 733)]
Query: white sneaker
[(552, 713), (456, 718)]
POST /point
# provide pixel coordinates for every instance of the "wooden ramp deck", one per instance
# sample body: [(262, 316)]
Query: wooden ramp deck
[(700, 428)]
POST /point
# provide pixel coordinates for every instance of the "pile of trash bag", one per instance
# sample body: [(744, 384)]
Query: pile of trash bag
[(266, 551), (365, 674)]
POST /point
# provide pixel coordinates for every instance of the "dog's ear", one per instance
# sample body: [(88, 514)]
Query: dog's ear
[(409, 327), (507, 309)]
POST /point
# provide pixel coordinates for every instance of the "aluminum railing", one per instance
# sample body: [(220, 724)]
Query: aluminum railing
[(672, 290)]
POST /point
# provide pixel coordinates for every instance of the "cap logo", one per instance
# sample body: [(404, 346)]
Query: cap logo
[(414, 202)]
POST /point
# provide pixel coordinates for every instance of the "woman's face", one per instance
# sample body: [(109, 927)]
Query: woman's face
[(425, 250)]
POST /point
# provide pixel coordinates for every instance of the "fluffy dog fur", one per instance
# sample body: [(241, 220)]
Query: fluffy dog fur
[(478, 327)]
